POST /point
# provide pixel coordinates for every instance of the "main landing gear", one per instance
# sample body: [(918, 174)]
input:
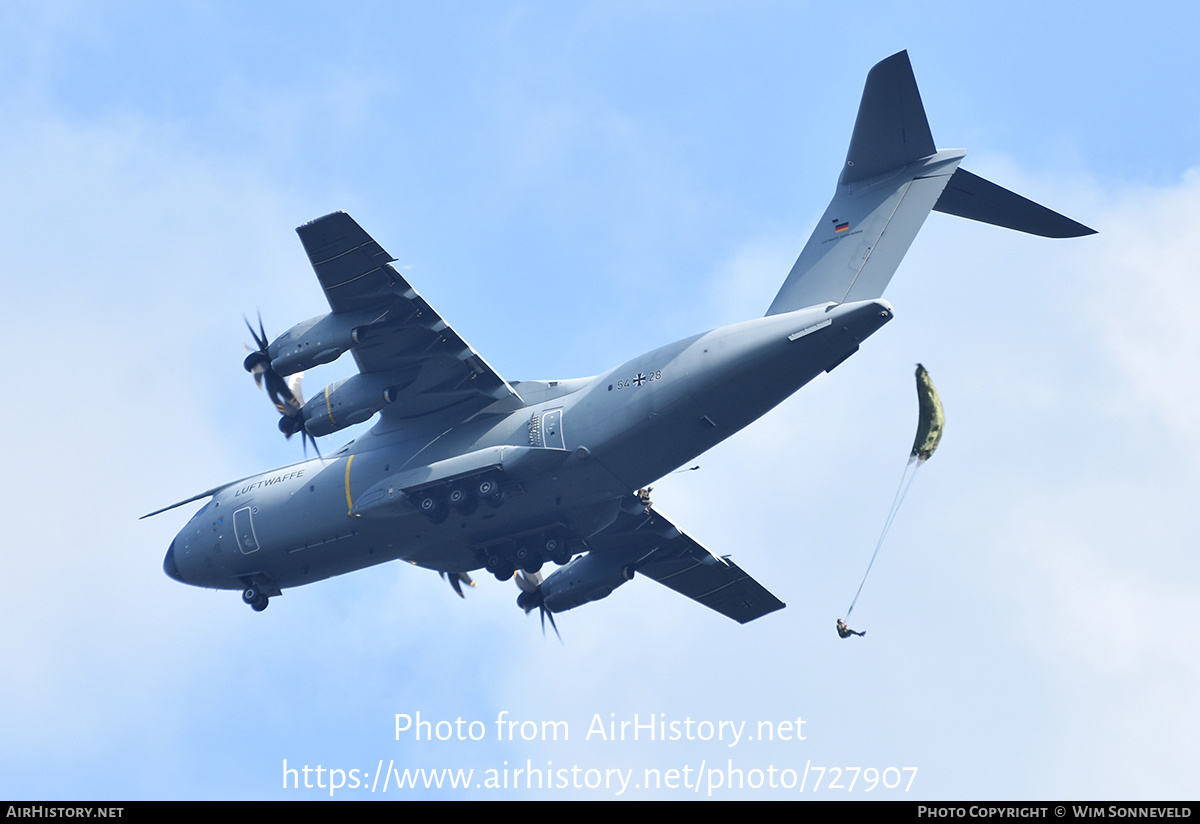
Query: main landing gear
[(527, 553), (254, 596), (462, 496)]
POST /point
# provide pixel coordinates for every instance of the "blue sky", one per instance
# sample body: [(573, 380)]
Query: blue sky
[(570, 185)]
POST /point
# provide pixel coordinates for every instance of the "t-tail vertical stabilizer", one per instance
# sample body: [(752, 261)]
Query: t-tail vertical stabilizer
[(893, 177)]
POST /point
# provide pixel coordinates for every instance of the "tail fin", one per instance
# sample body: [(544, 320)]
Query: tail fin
[(893, 177)]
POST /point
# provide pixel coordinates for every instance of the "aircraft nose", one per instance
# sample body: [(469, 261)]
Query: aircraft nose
[(169, 566)]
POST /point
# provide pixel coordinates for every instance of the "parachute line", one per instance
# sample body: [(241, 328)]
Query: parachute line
[(906, 480)]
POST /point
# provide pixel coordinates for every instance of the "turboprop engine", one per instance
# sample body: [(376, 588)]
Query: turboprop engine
[(350, 401), (319, 340), (279, 365), (313, 342), (589, 577)]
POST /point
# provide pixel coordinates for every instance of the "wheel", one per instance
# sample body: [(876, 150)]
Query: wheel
[(260, 604), (490, 491), (556, 549), (504, 571), (528, 559), (432, 508), (251, 594), (462, 500)]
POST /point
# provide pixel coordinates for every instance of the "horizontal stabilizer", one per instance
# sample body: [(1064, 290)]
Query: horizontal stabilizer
[(972, 197)]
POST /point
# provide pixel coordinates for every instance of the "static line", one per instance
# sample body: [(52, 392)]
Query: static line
[(906, 481)]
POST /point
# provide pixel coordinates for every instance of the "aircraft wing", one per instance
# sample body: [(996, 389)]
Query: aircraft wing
[(678, 562), (396, 331)]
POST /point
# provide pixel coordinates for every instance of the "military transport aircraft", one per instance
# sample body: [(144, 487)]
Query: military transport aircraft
[(465, 469)]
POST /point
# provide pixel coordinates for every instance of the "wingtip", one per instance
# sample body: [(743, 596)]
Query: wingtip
[(317, 220), (1066, 228)]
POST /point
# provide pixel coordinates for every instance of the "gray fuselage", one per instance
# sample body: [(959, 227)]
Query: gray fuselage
[(565, 460)]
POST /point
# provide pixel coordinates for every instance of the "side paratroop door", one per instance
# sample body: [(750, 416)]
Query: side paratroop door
[(243, 526), (552, 434)]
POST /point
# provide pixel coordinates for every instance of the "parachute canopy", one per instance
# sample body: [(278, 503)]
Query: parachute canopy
[(931, 419)]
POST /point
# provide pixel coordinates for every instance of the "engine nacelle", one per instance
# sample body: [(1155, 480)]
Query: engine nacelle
[(353, 400), (311, 343), (342, 404), (318, 341), (589, 577)]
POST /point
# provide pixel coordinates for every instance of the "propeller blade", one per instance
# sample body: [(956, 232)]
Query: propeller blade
[(294, 385), (530, 584), (457, 579), (554, 626), (260, 340), (313, 440), (258, 362), (528, 581)]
